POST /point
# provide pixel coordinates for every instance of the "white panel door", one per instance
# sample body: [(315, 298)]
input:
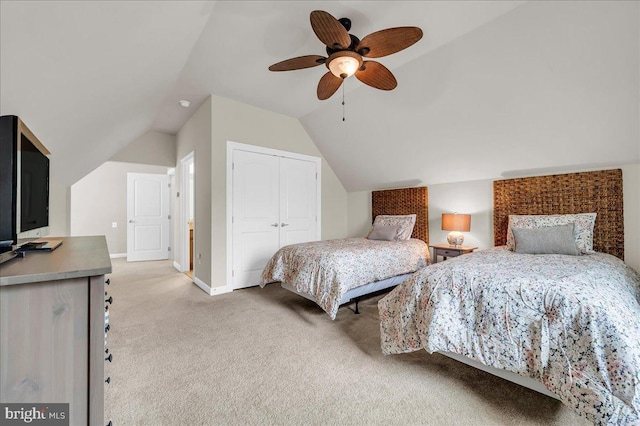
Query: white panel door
[(298, 199), (147, 217), (255, 215)]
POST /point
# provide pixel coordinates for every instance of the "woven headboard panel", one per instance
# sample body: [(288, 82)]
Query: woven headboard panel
[(404, 201), (586, 192)]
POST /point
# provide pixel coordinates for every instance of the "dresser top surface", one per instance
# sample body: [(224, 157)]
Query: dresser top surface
[(76, 257)]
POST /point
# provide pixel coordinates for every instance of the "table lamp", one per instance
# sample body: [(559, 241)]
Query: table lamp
[(456, 223)]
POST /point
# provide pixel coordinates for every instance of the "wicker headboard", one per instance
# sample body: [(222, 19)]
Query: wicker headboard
[(404, 201), (586, 192)]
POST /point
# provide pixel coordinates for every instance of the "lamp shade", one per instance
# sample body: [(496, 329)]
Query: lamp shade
[(456, 222)]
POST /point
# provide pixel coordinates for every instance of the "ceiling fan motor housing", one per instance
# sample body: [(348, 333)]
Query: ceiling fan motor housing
[(355, 41), (346, 23)]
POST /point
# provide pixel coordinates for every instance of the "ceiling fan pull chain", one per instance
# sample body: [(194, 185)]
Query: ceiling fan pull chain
[(343, 101)]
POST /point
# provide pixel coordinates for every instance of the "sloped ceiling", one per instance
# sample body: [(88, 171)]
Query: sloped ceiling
[(88, 77), (492, 86)]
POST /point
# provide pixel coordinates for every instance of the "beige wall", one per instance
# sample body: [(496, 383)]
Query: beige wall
[(100, 198), (153, 147), (195, 136), (59, 210), (476, 197), (238, 122)]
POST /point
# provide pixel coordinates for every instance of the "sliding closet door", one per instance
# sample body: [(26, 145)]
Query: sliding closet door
[(256, 217)]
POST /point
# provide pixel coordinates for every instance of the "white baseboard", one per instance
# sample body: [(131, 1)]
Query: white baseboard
[(177, 266), (211, 291), (117, 255), (197, 281), (220, 290)]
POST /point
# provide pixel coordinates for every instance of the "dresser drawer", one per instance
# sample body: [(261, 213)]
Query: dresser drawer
[(448, 252), (445, 251)]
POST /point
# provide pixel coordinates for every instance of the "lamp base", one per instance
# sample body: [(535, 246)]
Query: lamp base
[(455, 238)]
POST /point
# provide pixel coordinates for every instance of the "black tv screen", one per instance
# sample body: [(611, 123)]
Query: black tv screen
[(7, 178), (34, 187)]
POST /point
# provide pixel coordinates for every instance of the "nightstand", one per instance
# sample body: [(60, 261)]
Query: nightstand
[(445, 250)]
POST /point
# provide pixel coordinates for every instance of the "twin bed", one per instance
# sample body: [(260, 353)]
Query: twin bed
[(564, 325), (335, 272)]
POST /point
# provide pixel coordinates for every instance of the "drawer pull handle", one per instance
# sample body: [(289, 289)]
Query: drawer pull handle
[(109, 358), (109, 300), (107, 328), (108, 281), (108, 380)]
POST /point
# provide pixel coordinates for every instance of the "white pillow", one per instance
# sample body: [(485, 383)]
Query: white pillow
[(405, 223), (583, 227)]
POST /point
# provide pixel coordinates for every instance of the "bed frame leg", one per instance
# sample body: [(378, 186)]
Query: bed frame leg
[(356, 311)]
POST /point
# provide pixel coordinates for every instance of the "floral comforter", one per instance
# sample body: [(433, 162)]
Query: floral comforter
[(570, 322), (326, 270)]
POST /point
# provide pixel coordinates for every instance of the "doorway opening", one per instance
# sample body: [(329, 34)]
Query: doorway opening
[(187, 208)]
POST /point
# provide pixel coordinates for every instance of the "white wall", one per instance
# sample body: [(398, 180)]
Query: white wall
[(100, 198), (476, 197)]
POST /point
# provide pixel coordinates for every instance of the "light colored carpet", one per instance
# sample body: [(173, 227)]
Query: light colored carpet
[(266, 356)]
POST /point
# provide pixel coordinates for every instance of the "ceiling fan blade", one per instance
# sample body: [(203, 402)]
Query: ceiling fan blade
[(376, 75), (329, 30), (328, 85), (298, 63), (385, 42)]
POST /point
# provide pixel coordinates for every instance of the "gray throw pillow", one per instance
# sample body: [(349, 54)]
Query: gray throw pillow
[(546, 240), (384, 232)]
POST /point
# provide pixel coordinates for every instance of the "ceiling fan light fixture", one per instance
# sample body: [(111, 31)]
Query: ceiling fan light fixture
[(344, 64), (346, 53)]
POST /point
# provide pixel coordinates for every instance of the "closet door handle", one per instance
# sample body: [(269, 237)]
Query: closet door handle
[(284, 224), (275, 225)]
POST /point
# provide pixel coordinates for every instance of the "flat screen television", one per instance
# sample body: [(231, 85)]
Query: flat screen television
[(24, 184), (33, 210)]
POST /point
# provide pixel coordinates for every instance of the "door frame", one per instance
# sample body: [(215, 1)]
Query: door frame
[(184, 200), (233, 146)]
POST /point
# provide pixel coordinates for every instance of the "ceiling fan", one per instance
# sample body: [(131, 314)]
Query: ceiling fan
[(346, 51)]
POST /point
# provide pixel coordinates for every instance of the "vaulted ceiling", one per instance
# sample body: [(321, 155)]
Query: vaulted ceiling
[(492, 87)]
